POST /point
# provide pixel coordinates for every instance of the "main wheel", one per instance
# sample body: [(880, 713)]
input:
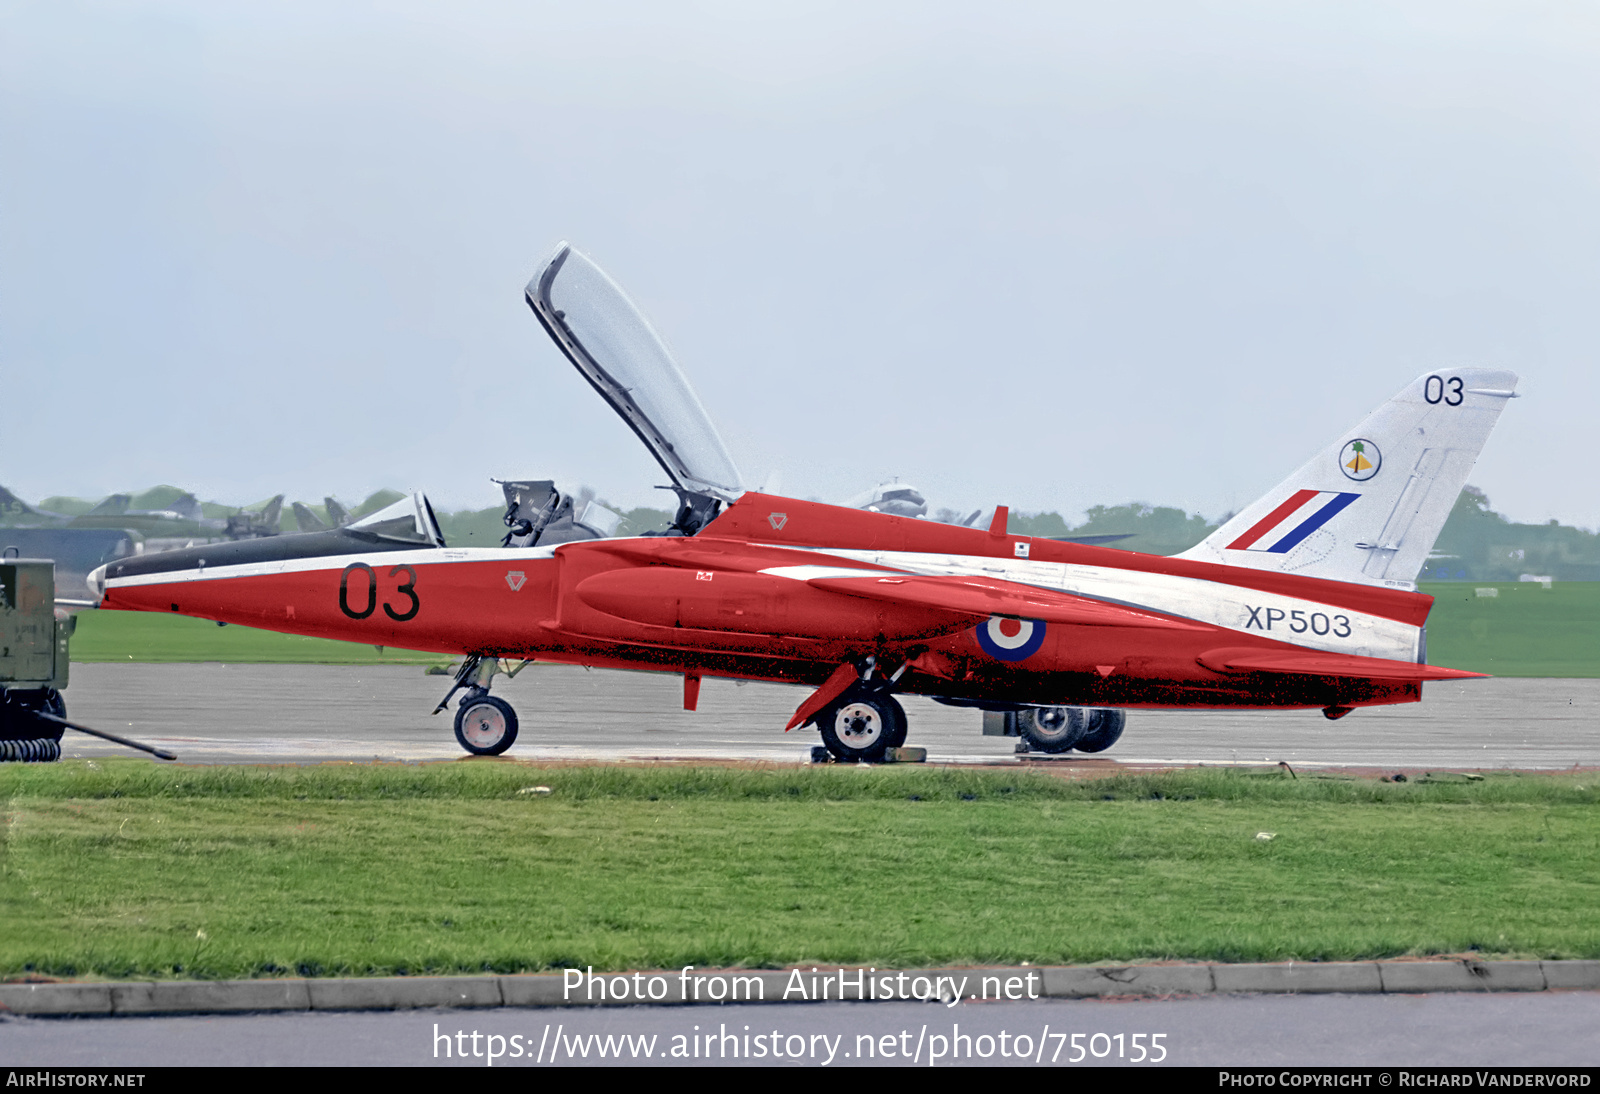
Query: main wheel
[(898, 736), (1052, 729), (486, 726), (1105, 726), (860, 729)]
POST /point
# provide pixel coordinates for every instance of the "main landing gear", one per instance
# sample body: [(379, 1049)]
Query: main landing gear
[(860, 729), (485, 725), (1063, 729), (866, 720)]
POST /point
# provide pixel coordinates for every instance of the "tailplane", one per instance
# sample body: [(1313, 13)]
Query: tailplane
[(1368, 507)]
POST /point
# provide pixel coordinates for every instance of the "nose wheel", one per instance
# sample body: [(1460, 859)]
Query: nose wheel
[(485, 726)]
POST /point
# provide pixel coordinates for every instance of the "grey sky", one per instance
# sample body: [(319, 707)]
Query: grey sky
[(1046, 255)]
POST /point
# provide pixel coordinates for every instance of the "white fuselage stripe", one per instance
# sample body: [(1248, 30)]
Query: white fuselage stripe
[(1295, 620)]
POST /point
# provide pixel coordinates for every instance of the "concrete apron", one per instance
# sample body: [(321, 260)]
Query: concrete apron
[(701, 987)]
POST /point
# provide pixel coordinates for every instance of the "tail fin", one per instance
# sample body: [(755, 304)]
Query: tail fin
[(114, 506), (272, 515), (306, 520), (1368, 508)]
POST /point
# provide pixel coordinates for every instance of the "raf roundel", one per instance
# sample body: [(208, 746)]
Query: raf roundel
[(1360, 460), (1010, 639)]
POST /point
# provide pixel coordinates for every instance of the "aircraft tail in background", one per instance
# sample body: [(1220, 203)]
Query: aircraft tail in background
[(1368, 507), (306, 520)]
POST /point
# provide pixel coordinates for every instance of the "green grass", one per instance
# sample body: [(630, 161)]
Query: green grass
[(125, 868), (154, 636), (1526, 630)]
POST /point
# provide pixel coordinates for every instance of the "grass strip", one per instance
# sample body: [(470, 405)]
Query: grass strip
[(1520, 628), (126, 869), (153, 636)]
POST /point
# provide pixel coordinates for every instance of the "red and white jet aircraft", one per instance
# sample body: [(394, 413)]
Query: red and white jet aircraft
[(1305, 599)]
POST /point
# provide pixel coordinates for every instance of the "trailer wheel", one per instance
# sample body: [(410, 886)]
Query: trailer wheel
[(17, 722), (486, 726), (54, 704)]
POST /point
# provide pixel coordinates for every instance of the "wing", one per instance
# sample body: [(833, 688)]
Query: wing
[(983, 597), (1317, 663)]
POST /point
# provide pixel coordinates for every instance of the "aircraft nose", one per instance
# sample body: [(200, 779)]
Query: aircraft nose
[(97, 582)]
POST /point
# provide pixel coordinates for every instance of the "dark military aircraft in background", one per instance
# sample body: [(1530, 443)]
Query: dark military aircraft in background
[(900, 499), (182, 518), (113, 529), (247, 525), (307, 521)]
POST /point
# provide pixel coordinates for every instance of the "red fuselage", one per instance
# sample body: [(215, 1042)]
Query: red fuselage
[(785, 590)]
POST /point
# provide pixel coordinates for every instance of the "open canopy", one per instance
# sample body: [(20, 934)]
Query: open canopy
[(409, 520), (613, 345)]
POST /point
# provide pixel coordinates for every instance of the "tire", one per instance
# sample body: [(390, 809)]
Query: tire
[(485, 726), (1105, 727), (898, 712), (860, 729), (1053, 729), (54, 704)]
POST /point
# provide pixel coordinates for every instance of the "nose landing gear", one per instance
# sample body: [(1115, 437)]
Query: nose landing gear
[(485, 725)]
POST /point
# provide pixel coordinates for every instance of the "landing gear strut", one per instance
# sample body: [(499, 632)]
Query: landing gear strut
[(485, 726)]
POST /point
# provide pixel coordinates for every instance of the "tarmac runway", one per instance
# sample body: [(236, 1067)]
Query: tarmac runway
[(215, 713)]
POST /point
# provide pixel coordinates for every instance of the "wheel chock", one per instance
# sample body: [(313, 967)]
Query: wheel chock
[(901, 755), (905, 754)]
